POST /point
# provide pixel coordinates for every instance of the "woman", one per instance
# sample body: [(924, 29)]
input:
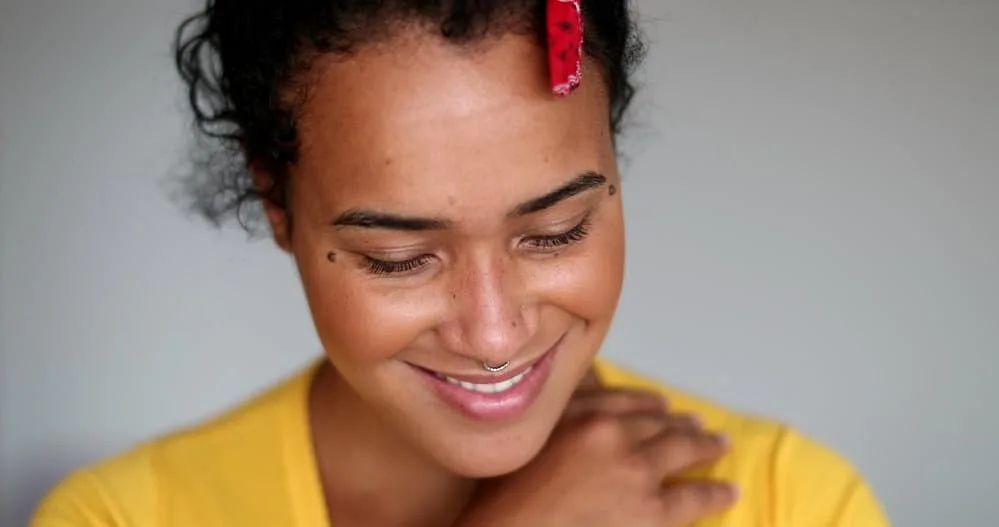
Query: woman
[(444, 176)]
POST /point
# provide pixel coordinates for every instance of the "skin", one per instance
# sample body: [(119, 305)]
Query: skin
[(419, 128)]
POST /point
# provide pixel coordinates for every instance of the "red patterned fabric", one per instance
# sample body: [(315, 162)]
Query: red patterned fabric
[(565, 45)]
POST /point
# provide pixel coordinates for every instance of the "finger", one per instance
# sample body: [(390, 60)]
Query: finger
[(674, 451), (685, 422), (590, 381), (614, 402), (643, 426), (690, 501)]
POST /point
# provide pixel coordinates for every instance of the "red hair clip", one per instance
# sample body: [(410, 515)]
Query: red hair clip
[(565, 45)]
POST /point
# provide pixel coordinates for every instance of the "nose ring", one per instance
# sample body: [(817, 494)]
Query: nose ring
[(495, 369)]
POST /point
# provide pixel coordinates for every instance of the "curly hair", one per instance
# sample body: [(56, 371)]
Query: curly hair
[(246, 63)]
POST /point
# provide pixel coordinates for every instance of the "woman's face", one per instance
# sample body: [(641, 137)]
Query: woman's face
[(449, 211)]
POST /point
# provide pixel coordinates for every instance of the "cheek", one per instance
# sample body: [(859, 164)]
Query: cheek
[(586, 282), (356, 320)]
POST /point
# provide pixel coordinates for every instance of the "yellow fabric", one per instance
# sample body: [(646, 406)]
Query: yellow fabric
[(254, 467)]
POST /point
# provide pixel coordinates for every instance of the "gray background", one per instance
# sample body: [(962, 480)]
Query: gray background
[(813, 206)]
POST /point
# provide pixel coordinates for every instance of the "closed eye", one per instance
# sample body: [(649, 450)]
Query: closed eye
[(558, 241), (542, 243), (383, 267)]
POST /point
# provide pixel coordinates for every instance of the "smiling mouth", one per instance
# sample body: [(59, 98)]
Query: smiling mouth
[(496, 387), (494, 397), (493, 382)]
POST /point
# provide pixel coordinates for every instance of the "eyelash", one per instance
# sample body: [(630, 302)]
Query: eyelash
[(383, 267), (571, 236)]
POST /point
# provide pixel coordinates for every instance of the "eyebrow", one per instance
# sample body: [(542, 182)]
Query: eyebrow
[(582, 183), (371, 219)]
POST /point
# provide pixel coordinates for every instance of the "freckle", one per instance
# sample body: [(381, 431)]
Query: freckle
[(331, 256), (612, 190), (514, 323), (388, 161)]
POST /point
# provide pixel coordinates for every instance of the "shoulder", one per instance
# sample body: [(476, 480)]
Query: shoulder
[(134, 487), (818, 486), (784, 476), (91, 496)]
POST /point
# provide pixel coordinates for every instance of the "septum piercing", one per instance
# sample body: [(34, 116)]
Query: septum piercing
[(495, 369)]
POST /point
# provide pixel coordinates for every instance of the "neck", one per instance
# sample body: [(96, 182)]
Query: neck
[(367, 469)]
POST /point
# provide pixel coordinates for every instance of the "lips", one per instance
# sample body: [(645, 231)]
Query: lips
[(495, 397)]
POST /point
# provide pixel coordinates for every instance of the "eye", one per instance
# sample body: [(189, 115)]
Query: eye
[(384, 267), (556, 241)]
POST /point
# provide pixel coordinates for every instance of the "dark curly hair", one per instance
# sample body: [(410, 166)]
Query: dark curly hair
[(246, 65)]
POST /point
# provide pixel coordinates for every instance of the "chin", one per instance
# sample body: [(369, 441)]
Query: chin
[(489, 457)]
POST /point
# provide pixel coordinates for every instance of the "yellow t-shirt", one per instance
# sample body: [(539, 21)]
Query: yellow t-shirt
[(254, 467)]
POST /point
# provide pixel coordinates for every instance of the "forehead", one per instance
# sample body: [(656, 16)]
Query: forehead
[(419, 125)]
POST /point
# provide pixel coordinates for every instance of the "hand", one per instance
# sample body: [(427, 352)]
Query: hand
[(605, 465)]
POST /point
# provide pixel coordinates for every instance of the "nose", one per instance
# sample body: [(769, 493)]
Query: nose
[(492, 316)]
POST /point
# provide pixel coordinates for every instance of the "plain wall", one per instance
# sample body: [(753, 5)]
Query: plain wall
[(813, 211)]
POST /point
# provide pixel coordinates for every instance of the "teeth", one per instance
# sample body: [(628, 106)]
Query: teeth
[(498, 387)]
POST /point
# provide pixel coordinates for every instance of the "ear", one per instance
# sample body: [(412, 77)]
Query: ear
[(277, 216)]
